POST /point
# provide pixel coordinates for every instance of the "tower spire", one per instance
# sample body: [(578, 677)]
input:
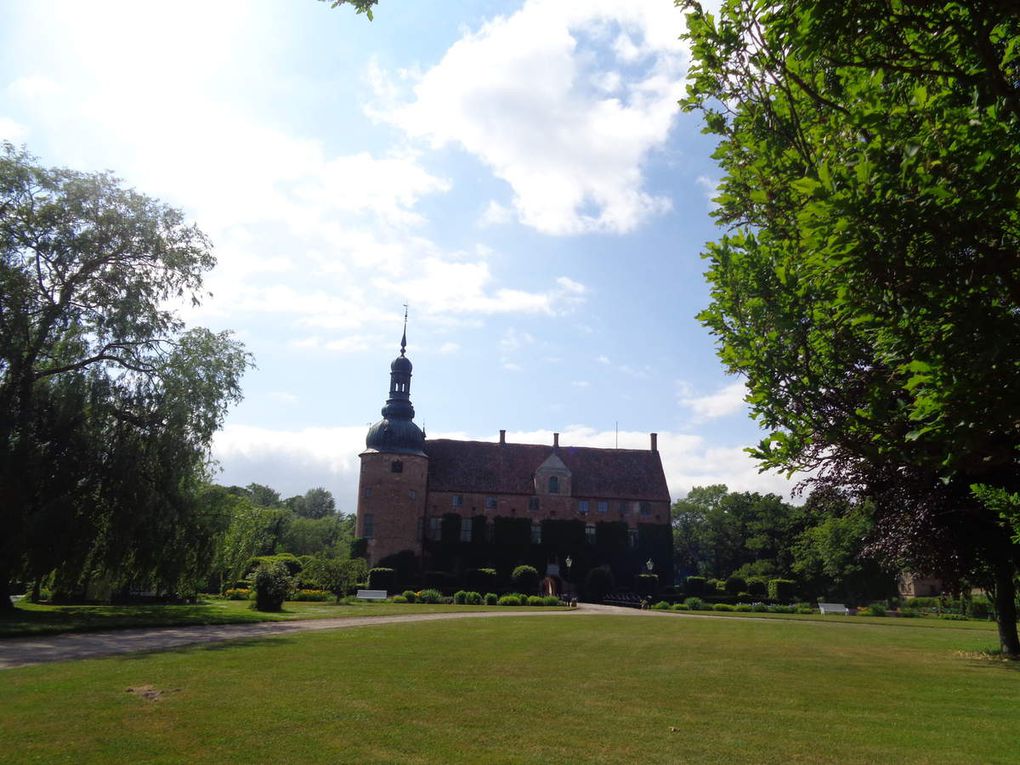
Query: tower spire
[(403, 338)]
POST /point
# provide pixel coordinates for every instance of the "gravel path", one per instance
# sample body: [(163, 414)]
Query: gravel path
[(22, 652)]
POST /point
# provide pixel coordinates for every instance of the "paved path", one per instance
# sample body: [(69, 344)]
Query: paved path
[(22, 652)]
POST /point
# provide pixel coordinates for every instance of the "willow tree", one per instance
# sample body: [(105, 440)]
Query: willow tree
[(107, 401), (868, 282)]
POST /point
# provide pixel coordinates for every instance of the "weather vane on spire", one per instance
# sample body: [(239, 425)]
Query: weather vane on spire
[(403, 338)]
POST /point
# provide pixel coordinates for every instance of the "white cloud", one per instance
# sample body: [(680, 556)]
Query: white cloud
[(711, 188), (725, 401), (496, 215), (531, 96), (448, 348), (445, 287), (12, 131), (303, 232)]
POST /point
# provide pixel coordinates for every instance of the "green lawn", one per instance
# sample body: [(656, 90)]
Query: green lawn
[(30, 619), (562, 689)]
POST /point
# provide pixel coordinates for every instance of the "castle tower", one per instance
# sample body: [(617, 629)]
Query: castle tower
[(394, 471)]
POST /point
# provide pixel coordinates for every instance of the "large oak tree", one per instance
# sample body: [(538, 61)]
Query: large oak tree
[(868, 283)]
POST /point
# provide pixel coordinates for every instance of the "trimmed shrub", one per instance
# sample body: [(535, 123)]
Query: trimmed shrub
[(319, 596), (597, 583), (679, 607), (734, 585), (398, 599), (460, 597), (759, 608), (525, 579), (473, 598), (696, 585), (781, 589), (491, 599), (979, 608), (550, 600), (875, 609), (662, 605), (805, 609), (743, 607), (429, 596), (722, 607), (509, 600), (646, 584), (780, 609), (381, 579), (757, 587), (410, 596), (237, 593), (536, 600), (272, 584), (446, 600), (909, 613), (694, 603), (437, 580), (481, 579), (953, 617), (714, 587)]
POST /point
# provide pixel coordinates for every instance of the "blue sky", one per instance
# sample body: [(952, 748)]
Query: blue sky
[(517, 172)]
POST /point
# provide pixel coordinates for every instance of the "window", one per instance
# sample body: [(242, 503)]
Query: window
[(536, 533), (554, 484), (582, 507), (458, 500), (368, 491), (435, 528), (623, 508), (602, 506), (533, 503), (646, 508), (490, 503), (632, 535), (367, 526), (589, 533), (412, 494), (465, 530), (396, 466)]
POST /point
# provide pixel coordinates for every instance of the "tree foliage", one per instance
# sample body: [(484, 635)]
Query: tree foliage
[(107, 403), (360, 6), (868, 283)]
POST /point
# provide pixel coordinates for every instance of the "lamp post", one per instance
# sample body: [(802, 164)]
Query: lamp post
[(570, 562), (649, 565)]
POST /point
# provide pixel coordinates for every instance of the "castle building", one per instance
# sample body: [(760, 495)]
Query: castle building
[(454, 505)]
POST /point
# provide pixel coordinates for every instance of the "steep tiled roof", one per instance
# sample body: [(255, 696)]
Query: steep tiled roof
[(491, 468)]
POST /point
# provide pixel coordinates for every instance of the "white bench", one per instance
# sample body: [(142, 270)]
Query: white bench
[(833, 608), (371, 594)]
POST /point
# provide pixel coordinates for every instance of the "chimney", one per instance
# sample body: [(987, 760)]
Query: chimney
[(655, 442), (556, 440), (502, 436)]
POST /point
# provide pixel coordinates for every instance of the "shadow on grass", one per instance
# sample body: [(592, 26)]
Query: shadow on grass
[(267, 641), (991, 659)]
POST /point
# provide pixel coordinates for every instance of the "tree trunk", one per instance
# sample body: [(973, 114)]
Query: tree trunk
[(1005, 609), (6, 604)]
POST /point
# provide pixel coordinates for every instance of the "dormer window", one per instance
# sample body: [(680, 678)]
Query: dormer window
[(396, 466), (554, 484)]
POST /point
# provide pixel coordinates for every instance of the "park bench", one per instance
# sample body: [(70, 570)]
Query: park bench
[(833, 608), (371, 594)]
